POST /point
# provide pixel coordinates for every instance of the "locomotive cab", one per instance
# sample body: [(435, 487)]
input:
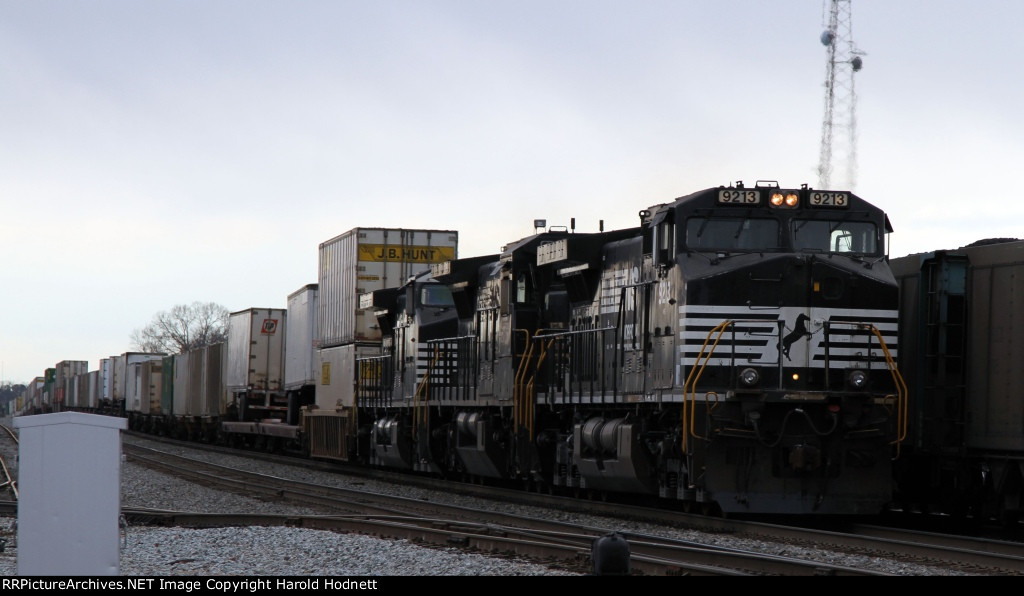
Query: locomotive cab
[(415, 314), (789, 312)]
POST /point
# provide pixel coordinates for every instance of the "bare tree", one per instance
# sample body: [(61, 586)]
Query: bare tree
[(183, 328)]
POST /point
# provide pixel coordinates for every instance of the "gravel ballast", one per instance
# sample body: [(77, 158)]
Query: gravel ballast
[(261, 551), (287, 551)]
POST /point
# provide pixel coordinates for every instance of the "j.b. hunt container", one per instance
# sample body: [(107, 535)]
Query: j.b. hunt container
[(366, 259), (357, 262)]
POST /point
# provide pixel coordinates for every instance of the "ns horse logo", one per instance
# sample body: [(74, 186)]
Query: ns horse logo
[(799, 331)]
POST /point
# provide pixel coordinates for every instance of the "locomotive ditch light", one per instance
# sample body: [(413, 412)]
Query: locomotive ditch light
[(749, 377), (857, 379), (784, 199)]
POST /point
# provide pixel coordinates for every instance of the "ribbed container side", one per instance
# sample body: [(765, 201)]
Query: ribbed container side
[(132, 391), (121, 372), (150, 375), (82, 390), (95, 389), (193, 404), (213, 401), (256, 349), (167, 385), (120, 377), (64, 372), (995, 409), (181, 376), (107, 380), (300, 338), (367, 259)]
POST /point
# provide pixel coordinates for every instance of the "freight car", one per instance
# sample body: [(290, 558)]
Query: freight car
[(733, 353), (961, 319), (269, 386)]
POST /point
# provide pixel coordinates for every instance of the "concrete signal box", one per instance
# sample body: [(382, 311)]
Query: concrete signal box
[(69, 494)]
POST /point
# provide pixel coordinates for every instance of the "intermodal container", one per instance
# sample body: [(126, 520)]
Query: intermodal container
[(256, 350), (212, 399), (366, 259), (64, 372), (122, 366), (300, 338)]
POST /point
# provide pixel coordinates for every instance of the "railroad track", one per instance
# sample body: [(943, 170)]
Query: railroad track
[(477, 529), (959, 551), (8, 481), (424, 520), (488, 530)]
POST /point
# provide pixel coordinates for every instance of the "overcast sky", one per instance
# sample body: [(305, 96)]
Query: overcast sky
[(161, 152)]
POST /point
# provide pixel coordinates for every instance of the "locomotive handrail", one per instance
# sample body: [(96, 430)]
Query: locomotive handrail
[(705, 354), (528, 408), (523, 388), (689, 387), (580, 357), (556, 333), (370, 370), (453, 353), (518, 389), (902, 397), (420, 410)]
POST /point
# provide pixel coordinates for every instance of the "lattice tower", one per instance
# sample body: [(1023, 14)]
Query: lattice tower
[(839, 128)]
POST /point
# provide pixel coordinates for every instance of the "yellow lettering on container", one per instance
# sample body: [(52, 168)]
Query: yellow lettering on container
[(405, 254)]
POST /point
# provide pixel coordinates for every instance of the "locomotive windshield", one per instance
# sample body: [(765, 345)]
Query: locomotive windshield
[(747, 234), (732, 233), (835, 236), (436, 295)]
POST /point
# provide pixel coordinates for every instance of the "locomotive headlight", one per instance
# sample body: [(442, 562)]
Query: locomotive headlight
[(784, 199), (857, 379), (749, 377)]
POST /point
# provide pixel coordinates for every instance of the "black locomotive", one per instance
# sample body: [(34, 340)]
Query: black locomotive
[(735, 353)]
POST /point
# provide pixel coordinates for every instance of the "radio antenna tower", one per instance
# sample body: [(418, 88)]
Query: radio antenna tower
[(839, 128)]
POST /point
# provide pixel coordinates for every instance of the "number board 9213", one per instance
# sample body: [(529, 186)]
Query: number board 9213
[(739, 196), (829, 199)]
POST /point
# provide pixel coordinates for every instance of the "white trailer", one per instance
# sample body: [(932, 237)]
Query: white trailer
[(254, 377), (366, 259), (300, 338), (122, 379)]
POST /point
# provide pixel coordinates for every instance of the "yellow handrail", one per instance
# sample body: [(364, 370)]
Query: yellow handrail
[(518, 399), (704, 356), (689, 391), (902, 397), (530, 401), (420, 411)]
